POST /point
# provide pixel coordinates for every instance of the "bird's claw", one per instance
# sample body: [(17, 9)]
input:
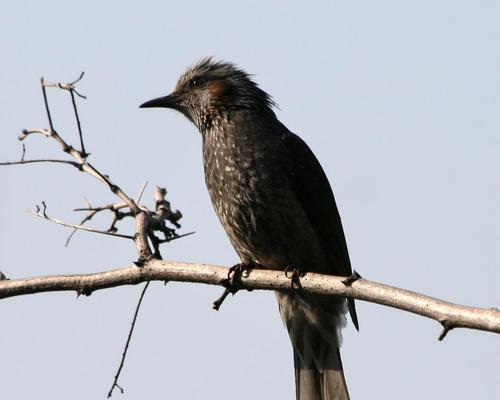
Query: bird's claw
[(238, 271), (294, 274), (231, 283)]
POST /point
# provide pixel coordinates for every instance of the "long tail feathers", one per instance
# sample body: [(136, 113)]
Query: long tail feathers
[(312, 384), (314, 325)]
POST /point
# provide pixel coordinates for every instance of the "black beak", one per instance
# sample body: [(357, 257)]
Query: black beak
[(170, 101)]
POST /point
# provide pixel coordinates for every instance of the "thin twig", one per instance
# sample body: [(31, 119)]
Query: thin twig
[(175, 237), (78, 124), (70, 236), (26, 132), (77, 79), (47, 109), (92, 212), (48, 160), (66, 86), (83, 165), (87, 218), (79, 227), (141, 192), (124, 354), (110, 207), (83, 221)]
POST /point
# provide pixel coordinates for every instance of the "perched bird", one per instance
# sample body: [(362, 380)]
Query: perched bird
[(276, 205)]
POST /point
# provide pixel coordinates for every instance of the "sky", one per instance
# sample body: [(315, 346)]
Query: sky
[(398, 100)]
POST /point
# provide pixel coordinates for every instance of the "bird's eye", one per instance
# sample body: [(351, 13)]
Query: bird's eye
[(195, 82)]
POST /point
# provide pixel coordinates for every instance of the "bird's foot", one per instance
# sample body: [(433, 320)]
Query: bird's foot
[(351, 278), (240, 270), (232, 282), (294, 274)]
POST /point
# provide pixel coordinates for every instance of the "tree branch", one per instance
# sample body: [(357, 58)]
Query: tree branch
[(449, 315), (146, 221), (82, 164), (80, 227), (127, 343), (48, 160)]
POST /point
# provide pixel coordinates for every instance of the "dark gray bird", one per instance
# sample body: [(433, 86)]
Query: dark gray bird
[(277, 207)]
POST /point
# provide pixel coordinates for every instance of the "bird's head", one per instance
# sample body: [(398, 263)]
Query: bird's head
[(210, 90)]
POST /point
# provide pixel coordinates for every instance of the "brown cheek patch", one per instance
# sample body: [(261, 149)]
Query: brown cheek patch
[(219, 88)]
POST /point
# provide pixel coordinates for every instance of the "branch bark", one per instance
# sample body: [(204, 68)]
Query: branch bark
[(449, 315)]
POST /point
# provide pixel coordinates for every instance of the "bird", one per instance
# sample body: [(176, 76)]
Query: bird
[(277, 207)]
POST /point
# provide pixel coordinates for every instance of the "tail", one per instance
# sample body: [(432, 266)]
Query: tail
[(329, 384), (314, 325)]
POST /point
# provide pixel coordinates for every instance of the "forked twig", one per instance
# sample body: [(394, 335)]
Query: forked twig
[(43, 215), (71, 86)]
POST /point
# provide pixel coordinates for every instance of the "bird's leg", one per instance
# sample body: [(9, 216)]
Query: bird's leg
[(231, 283), (351, 278), (294, 274)]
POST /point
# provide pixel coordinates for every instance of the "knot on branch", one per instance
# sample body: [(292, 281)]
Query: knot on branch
[(83, 291), (67, 148), (447, 326), (163, 208), (352, 278)]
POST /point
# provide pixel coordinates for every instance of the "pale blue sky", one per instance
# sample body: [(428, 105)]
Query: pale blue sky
[(399, 101)]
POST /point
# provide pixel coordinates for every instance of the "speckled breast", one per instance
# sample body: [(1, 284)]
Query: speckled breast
[(247, 178)]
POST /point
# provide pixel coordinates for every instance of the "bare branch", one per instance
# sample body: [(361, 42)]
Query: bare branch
[(70, 236), (48, 160), (110, 207), (124, 354), (71, 86), (92, 211), (78, 123), (43, 215), (141, 238), (146, 222), (114, 208), (456, 316), (141, 192), (83, 165), (77, 79), (176, 236), (42, 131), (45, 100)]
